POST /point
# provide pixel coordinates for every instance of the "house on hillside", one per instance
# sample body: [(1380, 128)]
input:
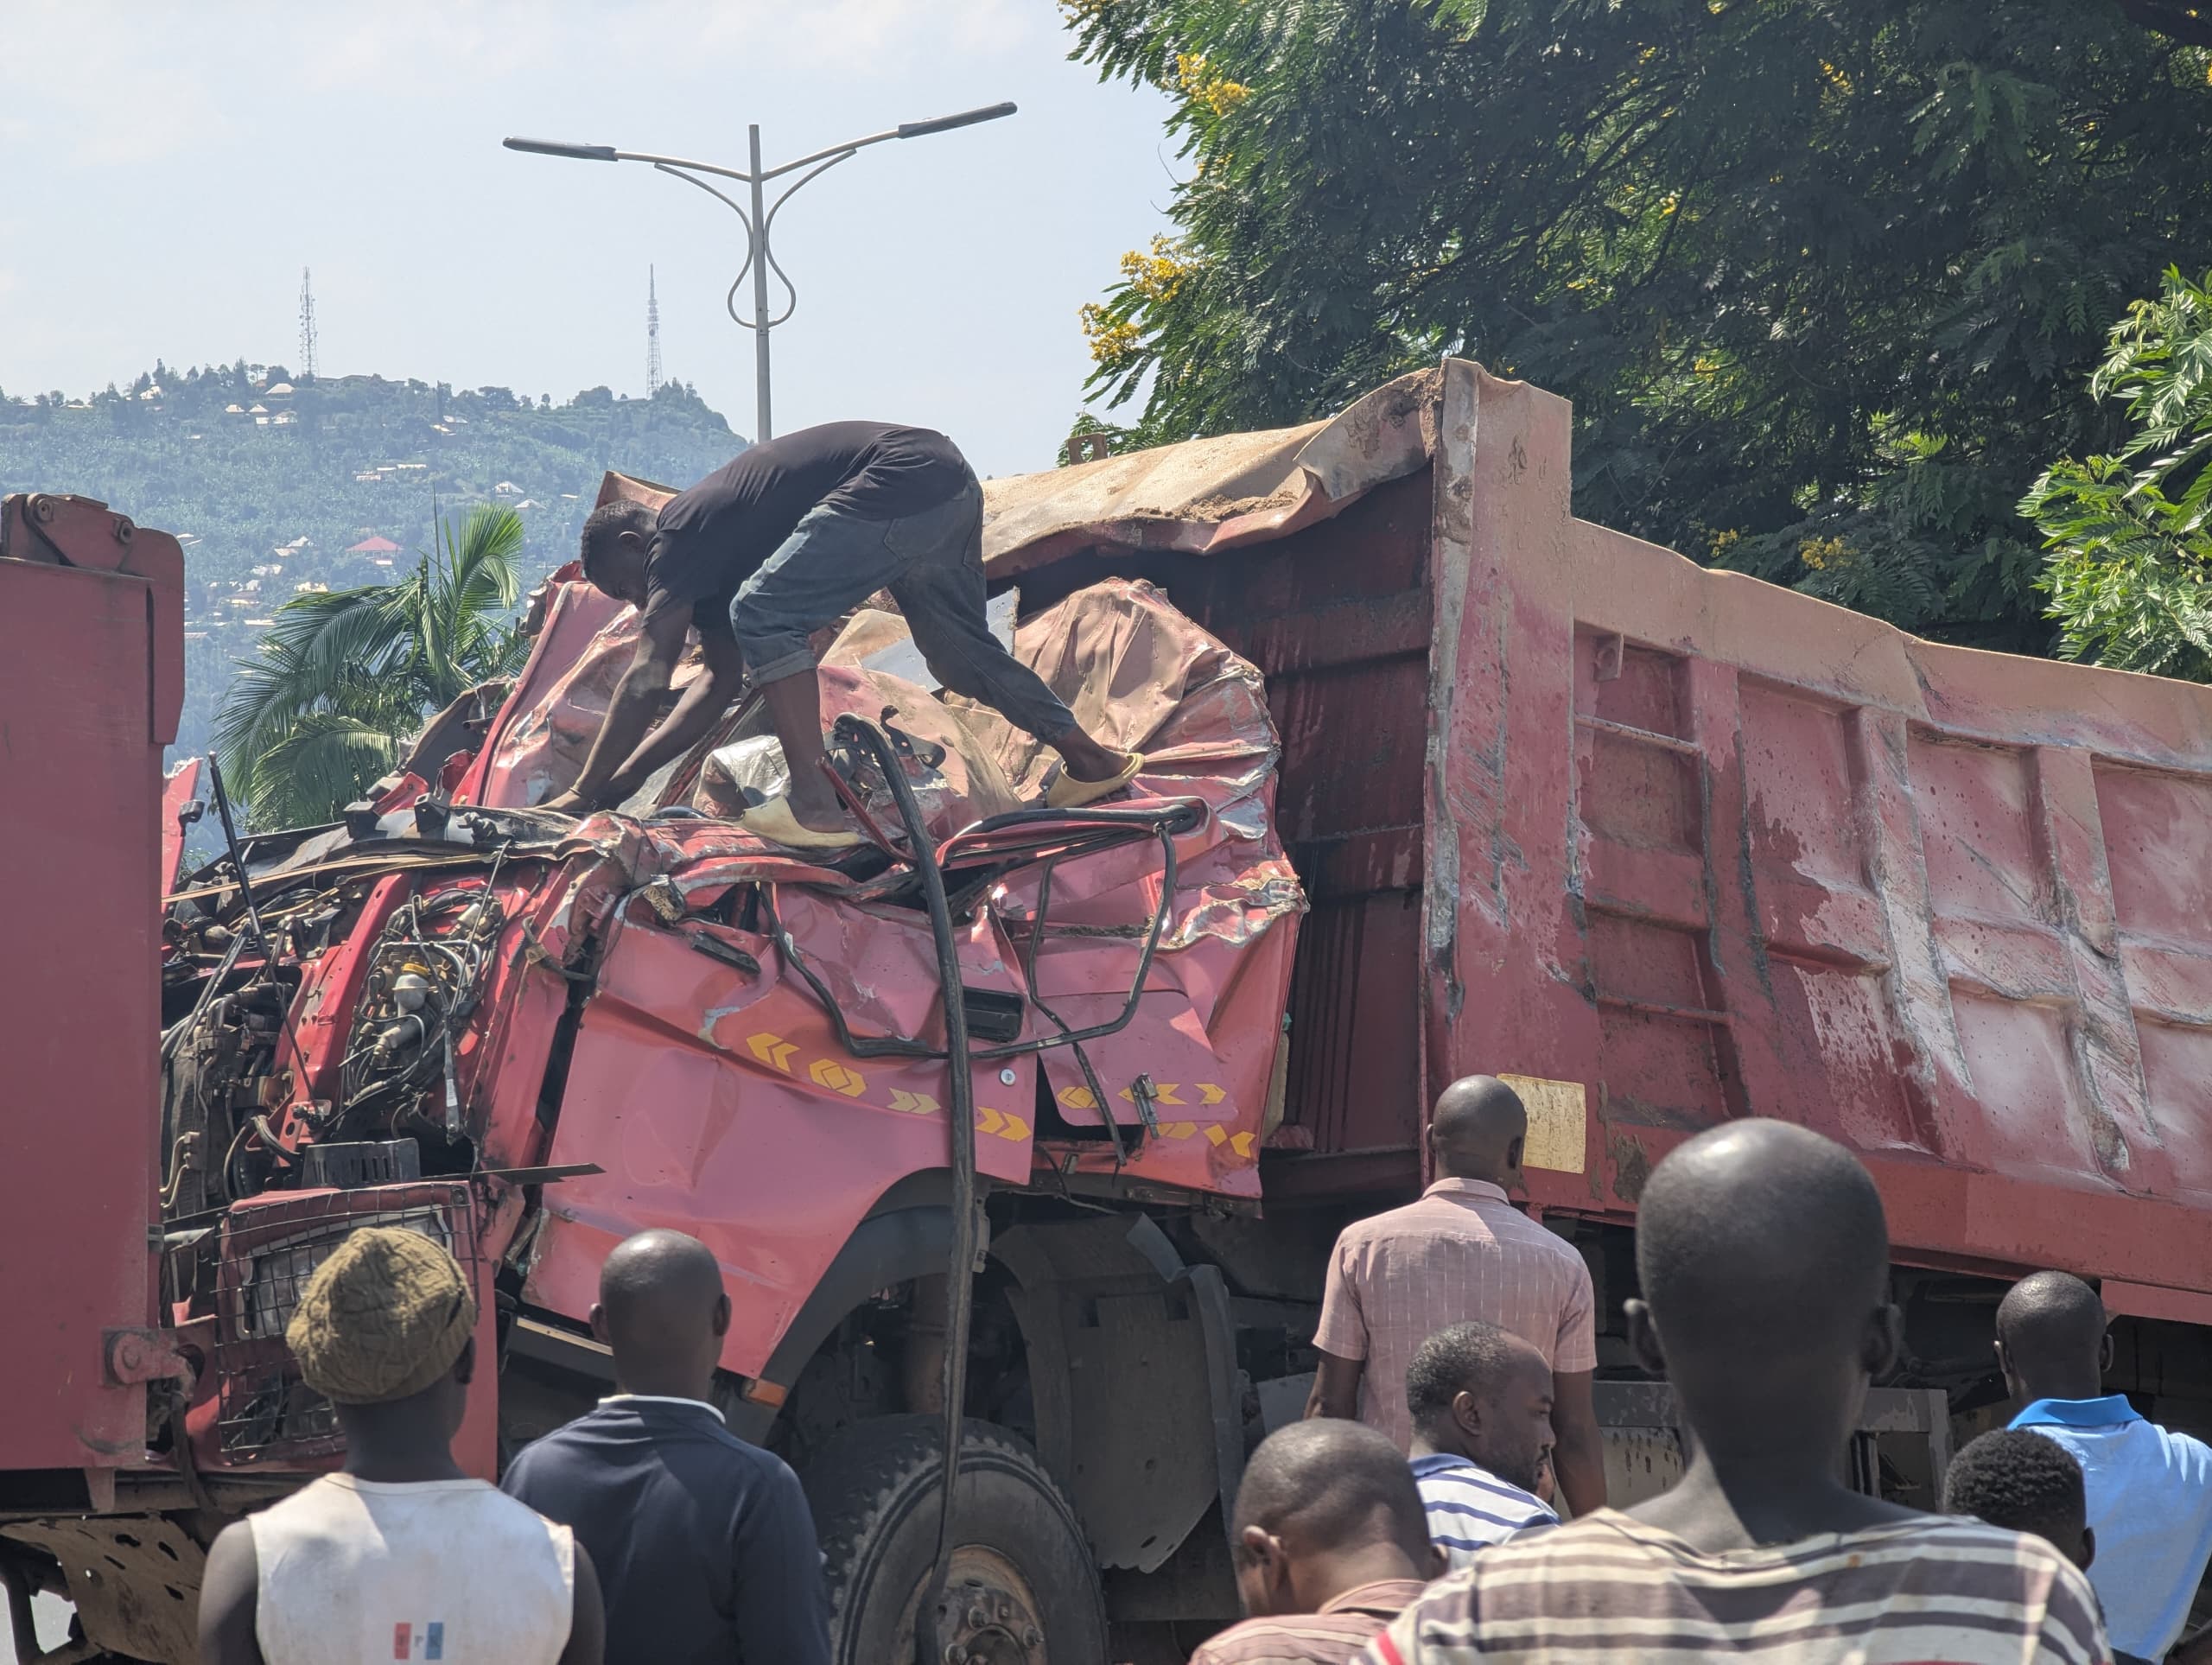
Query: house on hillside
[(506, 488), (373, 546), (234, 411), (279, 392)]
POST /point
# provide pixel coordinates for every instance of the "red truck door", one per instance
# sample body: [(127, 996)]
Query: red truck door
[(90, 680)]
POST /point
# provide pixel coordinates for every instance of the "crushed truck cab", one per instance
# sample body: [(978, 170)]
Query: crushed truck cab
[(1038, 1126)]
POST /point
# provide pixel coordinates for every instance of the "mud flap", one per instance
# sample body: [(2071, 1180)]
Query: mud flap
[(1131, 1352)]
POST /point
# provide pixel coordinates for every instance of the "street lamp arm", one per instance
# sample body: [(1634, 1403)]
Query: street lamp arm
[(836, 153), (991, 112), (671, 163), (675, 171), (793, 187)]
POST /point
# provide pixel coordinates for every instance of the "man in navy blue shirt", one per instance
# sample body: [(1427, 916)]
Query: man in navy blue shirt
[(705, 1547), (2150, 1491)]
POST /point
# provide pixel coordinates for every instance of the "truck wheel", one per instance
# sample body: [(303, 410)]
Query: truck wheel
[(1022, 1591)]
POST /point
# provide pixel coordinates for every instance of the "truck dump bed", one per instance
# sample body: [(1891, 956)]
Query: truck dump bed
[(1676, 845)]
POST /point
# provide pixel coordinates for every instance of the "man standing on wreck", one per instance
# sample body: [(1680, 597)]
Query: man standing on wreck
[(768, 548)]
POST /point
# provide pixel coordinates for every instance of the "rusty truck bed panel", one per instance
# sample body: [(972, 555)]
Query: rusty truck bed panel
[(1688, 846), (1705, 848)]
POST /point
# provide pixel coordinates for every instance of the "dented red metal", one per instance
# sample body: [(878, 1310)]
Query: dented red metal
[(90, 680)]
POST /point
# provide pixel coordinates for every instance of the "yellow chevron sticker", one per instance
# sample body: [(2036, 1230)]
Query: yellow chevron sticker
[(1079, 1098), (908, 1103), (772, 1050), (1178, 1129), (1210, 1094), (1004, 1124), (1162, 1093), (1241, 1143), (1217, 1133), (838, 1078)]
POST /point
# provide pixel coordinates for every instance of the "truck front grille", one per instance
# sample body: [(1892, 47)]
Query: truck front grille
[(270, 1249)]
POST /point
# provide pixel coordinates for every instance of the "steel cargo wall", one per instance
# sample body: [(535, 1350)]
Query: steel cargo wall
[(90, 680), (1700, 847), (1337, 619)]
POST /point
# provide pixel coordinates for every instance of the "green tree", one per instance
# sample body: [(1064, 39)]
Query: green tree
[(2130, 549), (344, 677), (1820, 276)]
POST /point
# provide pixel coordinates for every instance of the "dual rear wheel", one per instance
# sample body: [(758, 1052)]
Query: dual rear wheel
[(1023, 1589)]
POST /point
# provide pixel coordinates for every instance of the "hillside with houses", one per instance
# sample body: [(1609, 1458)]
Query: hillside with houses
[(277, 486)]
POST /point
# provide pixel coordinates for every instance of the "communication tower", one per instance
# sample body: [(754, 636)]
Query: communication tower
[(652, 336), (306, 326)]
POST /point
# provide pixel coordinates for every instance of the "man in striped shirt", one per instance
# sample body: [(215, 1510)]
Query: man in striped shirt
[(1328, 1542), (1481, 1402), (1462, 1251), (1763, 1259)]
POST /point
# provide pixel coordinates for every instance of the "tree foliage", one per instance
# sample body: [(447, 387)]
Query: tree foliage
[(2131, 533), (1822, 276), (344, 677)]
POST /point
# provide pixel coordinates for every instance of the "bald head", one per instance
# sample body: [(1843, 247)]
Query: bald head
[(2051, 1338), (663, 1311), (1764, 1257), (1330, 1485), (1477, 1130)]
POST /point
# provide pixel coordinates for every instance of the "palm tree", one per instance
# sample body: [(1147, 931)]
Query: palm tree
[(346, 676)]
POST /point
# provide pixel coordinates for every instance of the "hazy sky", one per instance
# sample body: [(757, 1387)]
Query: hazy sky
[(167, 169)]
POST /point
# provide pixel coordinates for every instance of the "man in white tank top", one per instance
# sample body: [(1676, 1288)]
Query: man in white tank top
[(401, 1556)]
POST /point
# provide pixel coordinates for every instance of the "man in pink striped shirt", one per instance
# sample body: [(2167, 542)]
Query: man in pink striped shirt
[(1462, 1252)]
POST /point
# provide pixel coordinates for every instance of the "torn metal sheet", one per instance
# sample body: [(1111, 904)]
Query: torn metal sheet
[(1212, 495)]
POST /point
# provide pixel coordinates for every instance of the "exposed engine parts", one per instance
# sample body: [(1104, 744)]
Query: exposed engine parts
[(423, 976)]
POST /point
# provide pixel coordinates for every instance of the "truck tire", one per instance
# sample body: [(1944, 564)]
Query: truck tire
[(1023, 1589)]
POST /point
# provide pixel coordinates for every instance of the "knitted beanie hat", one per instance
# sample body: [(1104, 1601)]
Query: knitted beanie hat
[(384, 1316)]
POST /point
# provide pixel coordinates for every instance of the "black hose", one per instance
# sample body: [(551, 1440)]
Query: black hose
[(1161, 825), (960, 1095)]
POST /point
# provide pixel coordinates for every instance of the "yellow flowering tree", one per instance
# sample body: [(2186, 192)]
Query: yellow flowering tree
[(1825, 274)]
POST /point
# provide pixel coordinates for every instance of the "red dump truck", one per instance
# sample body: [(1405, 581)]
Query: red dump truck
[(1040, 1124)]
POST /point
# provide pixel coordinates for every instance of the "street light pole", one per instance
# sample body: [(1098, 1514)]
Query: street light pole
[(763, 419), (759, 258)]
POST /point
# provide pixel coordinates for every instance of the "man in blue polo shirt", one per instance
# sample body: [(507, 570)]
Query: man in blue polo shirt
[(707, 1544), (2150, 1491)]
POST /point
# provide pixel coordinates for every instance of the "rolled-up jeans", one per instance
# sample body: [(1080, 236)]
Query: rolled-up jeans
[(932, 563)]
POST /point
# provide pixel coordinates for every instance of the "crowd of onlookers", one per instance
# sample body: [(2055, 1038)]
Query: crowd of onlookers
[(1414, 1518)]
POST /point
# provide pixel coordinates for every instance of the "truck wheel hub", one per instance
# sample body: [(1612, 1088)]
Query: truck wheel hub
[(989, 1614)]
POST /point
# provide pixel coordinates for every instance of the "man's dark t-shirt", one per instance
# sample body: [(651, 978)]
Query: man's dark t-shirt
[(713, 537), (704, 1545)]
